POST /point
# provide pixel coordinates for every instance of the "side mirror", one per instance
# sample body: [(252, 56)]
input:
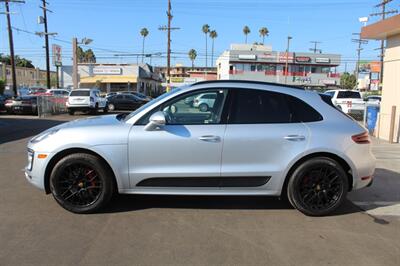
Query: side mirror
[(156, 120)]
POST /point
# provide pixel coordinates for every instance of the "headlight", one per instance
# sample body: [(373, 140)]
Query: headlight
[(44, 135)]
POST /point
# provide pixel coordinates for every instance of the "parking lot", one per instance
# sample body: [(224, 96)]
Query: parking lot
[(161, 230)]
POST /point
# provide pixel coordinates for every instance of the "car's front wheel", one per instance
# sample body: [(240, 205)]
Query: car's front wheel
[(111, 107), (81, 183), (318, 186)]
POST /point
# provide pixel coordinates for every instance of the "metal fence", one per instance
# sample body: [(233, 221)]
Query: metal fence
[(51, 105)]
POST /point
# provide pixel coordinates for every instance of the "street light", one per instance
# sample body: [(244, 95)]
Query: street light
[(287, 58), (84, 41)]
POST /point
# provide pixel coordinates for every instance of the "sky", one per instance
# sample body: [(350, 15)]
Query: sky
[(115, 27)]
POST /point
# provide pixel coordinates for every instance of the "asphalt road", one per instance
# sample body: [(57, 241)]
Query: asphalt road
[(162, 230)]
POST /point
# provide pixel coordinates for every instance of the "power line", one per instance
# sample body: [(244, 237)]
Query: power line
[(315, 50)]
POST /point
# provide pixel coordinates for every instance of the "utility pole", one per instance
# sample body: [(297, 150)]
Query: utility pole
[(359, 49), (383, 14), (84, 41), (11, 44), (315, 50), (46, 38), (287, 58), (168, 29)]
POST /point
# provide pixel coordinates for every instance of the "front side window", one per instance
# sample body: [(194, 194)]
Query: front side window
[(196, 108)]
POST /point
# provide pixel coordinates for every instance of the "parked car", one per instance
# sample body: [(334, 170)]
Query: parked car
[(124, 102), (373, 99), (257, 139), (59, 92), (350, 102), (110, 94), (22, 105), (36, 90), (3, 99), (137, 94), (86, 100), (204, 101)]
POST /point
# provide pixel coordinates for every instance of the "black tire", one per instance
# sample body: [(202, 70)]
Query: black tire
[(9, 112), (203, 107), (81, 183), (105, 109), (71, 112), (318, 186), (94, 111)]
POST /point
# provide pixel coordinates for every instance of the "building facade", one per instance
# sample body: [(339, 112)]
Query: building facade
[(115, 77), (259, 62), (388, 127), (26, 77), (183, 75)]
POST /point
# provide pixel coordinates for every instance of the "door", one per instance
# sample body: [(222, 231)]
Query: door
[(186, 151), (261, 138)]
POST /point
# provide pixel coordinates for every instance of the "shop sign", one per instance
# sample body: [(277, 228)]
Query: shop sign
[(303, 59), (57, 59), (283, 56), (247, 57), (322, 60), (329, 82), (177, 79), (267, 57), (107, 71)]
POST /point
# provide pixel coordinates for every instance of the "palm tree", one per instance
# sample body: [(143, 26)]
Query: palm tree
[(206, 30), (263, 32), (192, 56), (213, 35), (246, 31), (144, 32)]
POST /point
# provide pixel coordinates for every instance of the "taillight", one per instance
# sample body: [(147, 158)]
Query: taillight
[(8, 101), (91, 99), (362, 138)]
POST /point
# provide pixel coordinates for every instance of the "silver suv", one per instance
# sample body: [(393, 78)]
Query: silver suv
[(255, 139)]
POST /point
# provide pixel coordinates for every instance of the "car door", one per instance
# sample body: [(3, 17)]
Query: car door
[(260, 140), (186, 152)]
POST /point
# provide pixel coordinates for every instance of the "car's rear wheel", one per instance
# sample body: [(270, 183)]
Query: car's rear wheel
[(111, 107), (71, 112), (81, 183), (203, 107), (318, 186)]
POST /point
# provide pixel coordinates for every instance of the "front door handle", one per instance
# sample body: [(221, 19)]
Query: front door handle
[(295, 137), (210, 138)]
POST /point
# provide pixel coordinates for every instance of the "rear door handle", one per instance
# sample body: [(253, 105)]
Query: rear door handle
[(210, 138), (295, 137)]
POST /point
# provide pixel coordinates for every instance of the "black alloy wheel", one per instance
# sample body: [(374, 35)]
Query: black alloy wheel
[(80, 183), (318, 186)]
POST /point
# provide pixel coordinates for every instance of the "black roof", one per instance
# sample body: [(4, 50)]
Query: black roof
[(248, 81)]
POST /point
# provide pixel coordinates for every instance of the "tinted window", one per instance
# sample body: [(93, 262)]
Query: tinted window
[(301, 111), (330, 93), (349, 94), (255, 106), (80, 93)]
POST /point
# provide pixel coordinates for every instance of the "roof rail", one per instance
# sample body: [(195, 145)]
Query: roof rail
[(247, 81)]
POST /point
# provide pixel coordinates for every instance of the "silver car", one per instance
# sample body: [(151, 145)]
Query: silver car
[(256, 139)]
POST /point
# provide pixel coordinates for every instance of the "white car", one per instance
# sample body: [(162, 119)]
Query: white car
[(86, 100), (204, 101), (348, 101)]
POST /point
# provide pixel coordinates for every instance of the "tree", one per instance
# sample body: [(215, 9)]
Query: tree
[(2, 86), (20, 62), (192, 56), (348, 81), (213, 35), (87, 56), (206, 30), (264, 32), (246, 31), (144, 32)]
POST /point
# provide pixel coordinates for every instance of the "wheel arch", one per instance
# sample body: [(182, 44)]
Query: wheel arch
[(61, 154), (346, 167)]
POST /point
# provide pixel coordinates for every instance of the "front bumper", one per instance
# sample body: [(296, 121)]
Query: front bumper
[(35, 170)]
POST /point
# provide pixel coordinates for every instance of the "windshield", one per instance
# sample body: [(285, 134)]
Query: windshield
[(152, 102)]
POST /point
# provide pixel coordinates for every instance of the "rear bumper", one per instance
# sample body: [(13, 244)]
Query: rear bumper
[(364, 163)]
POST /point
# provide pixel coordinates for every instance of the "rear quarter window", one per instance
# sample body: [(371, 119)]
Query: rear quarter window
[(301, 111)]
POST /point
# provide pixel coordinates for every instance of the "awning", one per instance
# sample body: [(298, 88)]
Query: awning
[(382, 29), (109, 79)]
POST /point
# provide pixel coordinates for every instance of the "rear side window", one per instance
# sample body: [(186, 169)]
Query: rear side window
[(349, 94), (301, 111), (259, 107), (80, 93)]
